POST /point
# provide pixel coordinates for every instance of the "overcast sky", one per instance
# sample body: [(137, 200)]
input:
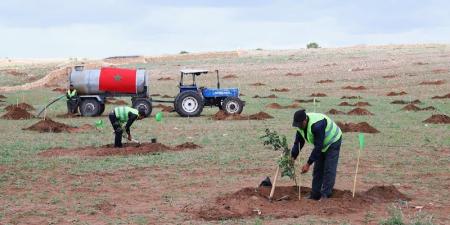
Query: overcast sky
[(101, 28)]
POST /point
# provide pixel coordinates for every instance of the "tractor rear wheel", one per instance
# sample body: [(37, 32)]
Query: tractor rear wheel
[(189, 103), (145, 104), (90, 107), (232, 105)]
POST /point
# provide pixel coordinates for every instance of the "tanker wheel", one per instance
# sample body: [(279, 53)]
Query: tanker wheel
[(189, 103), (232, 105), (90, 107), (145, 104)]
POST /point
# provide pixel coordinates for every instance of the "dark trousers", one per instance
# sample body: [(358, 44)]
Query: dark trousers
[(72, 105), (324, 173), (118, 131)]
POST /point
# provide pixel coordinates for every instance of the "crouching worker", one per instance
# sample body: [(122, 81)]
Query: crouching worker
[(319, 130), (72, 100), (124, 116)]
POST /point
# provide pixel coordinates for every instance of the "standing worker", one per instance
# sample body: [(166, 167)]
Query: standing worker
[(72, 100), (319, 130), (124, 115)]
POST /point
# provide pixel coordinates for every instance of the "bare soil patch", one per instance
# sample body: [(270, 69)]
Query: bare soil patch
[(437, 119), (280, 90), (354, 88), (2, 96), (392, 93), (51, 126), (165, 78), (59, 90), (269, 96), (436, 82), (230, 76), (278, 106), (335, 112), (257, 84), (253, 202), (305, 100), (389, 76), (325, 81), (294, 74), (360, 112), (109, 150), (22, 105), (17, 113), (402, 102), (221, 115), (363, 127), (441, 97), (351, 97), (318, 95)]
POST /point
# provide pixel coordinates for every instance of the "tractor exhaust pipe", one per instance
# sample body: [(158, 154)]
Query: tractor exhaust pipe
[(218, 81)]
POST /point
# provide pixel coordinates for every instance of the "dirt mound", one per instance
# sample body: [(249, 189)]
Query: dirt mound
[(109, 150), (362, 104), (17, 113), (278, 106), (438, 118), (441, 97), (335, 112), (305, 100), (396, 93), (345, 104), (359, 112), (417, 101), (389, 76), (60, 90), (294, 74), (230, 76), (324, 81), (318, 95), (269, 96), (280, 90), (357, 127), (187, 145), (440, 71), (49, 125), (2, 96), (257, 84), (22, 105), (165, 78), (253, 202), (411, 107), (354, 88), (221, 115), (437, 82), (351, 97)]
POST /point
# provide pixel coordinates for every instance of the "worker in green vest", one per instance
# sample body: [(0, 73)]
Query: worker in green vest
[(319, 130), (72, 100), (121, 118)]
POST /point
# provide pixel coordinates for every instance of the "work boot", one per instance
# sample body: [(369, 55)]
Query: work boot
[(313, 196)]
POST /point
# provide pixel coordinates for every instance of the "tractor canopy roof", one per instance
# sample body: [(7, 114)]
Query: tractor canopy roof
[(194, 71)]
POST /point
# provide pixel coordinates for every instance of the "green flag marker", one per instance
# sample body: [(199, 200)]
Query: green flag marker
[(158, 116), (99, 124), (361, 141)]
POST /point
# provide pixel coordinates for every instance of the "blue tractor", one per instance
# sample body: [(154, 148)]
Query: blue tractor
[(191, 99)]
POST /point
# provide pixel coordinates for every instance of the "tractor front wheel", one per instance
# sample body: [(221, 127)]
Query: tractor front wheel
[(232, 105), (189, 103)]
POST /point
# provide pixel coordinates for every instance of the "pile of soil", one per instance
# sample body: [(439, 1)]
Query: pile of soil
[(305, 100), (351, 97), (411, 107), (389, 76), (441, 97), (357, 127), (221, 115), (396, 93), (440, 71), (280, 90), (354, 88), (49, 125), (438, 118), (324, 81), (22, 105), (17, 113), (269, 96), (253, 202), (345, 104), (294, 74), (402, 102), (360, 112), (437, 82), (165, 78), (109, 150), (318, 95), (278, 106), (258, 84), (2, 96), (335, 112), (60, 90), (362, 104), (230, 76)]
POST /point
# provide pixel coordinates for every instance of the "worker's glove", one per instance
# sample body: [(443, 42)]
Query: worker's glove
[(294, 152)]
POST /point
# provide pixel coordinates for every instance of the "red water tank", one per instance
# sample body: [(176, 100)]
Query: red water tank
[(117, 80)]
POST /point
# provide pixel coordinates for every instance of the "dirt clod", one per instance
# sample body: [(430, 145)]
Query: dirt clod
[(359, 112), (324, 81), (437, 119), (357, 127)]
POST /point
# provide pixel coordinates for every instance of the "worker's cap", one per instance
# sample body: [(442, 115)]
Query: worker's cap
[(141, 111), (299, 117)]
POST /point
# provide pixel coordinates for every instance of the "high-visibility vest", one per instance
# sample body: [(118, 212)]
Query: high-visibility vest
[(70, 94), (332, 132), (121, 113)]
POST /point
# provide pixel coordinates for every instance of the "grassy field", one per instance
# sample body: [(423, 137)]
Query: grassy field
[(156, 188)]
